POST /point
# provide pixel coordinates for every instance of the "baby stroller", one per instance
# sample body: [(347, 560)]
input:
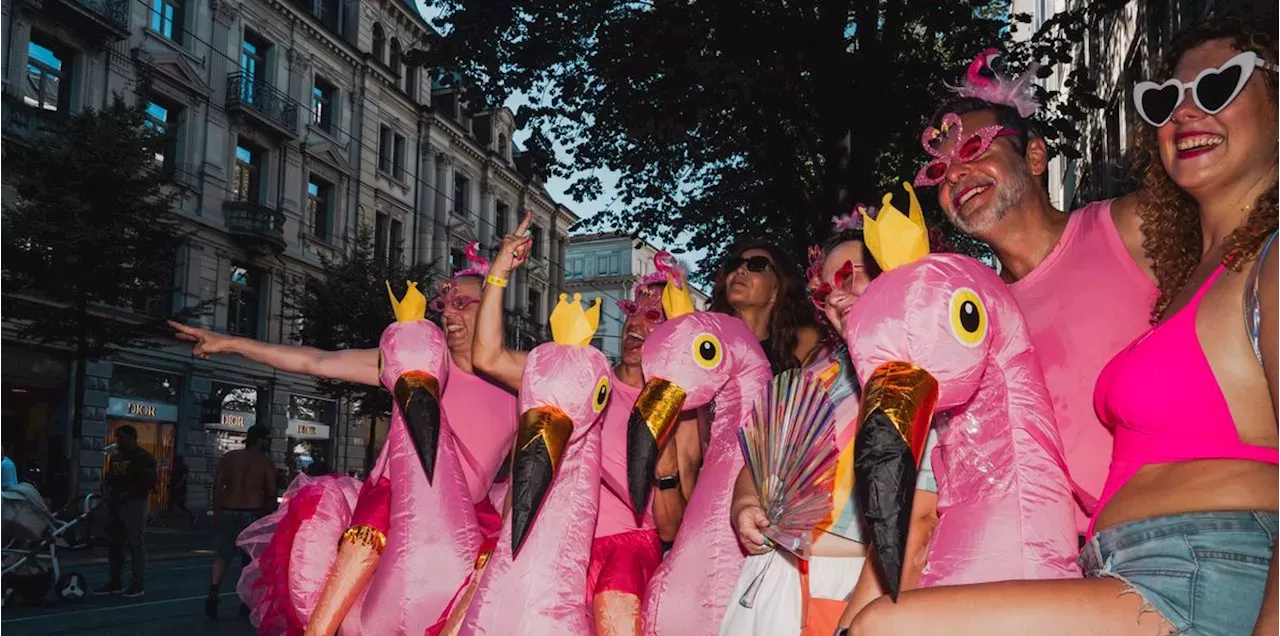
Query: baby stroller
[(30, 555)]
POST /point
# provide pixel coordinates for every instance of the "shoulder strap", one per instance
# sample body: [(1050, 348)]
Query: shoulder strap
[(1252, 311)]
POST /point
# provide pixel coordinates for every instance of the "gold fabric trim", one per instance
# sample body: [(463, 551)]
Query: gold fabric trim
[(410, 380), (551, 424), (659, 404), (906, 394), (367, 536)]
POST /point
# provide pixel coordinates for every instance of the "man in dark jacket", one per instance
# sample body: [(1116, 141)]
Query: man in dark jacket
[(131, 475)]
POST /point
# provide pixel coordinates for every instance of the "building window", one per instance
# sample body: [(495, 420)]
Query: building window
[(396, 241), (47, 72), (535, 233), (330, 14), (248, 172), (394, 62), (614, 270), (166, 19), (502, 145), (461, 196), (535, 306), (385, 144), (162, 117), (457, 261), (411, 82), (380, 236), (308, 436), (253, 66), (398, 156), (379, 43), (576, 267), (242, 302), (319, 207), (500, 220), (322, 101)]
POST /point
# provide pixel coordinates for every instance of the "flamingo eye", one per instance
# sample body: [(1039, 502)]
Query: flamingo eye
[(968, 317), (600, 397), (707, 351)]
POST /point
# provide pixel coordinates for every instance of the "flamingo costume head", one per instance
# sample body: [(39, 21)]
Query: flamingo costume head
[(932, 333), (564, 389), (413, 363), (688, 359)]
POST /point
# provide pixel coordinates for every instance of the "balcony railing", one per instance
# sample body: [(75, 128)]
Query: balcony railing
[(255, 225), (27, 123), (101, 18), (254, 97)]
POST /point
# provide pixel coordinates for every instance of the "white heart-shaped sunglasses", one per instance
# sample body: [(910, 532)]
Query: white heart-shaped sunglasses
[(1213, 89)]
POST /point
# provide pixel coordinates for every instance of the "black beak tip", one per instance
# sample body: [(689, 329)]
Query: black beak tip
[(421, 412), (531, 475), (885, 476), (642, 455)]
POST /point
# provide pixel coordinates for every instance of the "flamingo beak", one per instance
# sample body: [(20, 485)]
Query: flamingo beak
[(897, 409), (652, 420), (417, 394), (540, 442)]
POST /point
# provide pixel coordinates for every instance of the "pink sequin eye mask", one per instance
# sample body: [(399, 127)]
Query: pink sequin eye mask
[(965, 149)]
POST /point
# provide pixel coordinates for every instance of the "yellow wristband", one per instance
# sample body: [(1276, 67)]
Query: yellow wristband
[(494, 280)]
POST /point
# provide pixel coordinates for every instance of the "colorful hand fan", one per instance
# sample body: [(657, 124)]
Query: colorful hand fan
[(790, 449)]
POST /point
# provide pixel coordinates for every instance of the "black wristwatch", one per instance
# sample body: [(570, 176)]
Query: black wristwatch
[(668, 483)]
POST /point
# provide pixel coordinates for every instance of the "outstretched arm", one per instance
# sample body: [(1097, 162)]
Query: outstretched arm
[(489, 354), (350, 365)]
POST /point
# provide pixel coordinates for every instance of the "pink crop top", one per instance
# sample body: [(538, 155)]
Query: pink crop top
[(1163, 403)]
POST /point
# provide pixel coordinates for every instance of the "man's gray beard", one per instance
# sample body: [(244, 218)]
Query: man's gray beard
[(1008, 193)]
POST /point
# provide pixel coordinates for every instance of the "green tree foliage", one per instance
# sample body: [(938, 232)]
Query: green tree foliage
[(91, 236), (347, 307), (727, 119)]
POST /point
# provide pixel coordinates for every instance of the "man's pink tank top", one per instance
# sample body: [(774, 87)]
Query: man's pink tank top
[(616, 516), (482, 416), (1084, 303)]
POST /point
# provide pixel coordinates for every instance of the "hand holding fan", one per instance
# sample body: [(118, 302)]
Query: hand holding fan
[(790, 448)]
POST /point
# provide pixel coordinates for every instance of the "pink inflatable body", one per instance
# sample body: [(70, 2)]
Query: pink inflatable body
[(710, 357), (540, 590), (1004, 497)]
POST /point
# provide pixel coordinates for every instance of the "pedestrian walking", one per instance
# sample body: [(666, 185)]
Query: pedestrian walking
[(244, 489), (178, 488), (131, 475)]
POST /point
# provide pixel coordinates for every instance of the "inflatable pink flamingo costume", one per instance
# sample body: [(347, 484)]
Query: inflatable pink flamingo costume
[(413, 536), (690, 359), (532, 584), (943, 332)]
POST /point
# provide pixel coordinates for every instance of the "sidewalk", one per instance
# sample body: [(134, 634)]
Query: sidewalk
[(163, 543)]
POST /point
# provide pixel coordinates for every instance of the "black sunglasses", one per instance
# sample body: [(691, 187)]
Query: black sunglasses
[(755, 264)]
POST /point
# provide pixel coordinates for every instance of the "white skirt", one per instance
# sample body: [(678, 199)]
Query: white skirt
[(777, 606)]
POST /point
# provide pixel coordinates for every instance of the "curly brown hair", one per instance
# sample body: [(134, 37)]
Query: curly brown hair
[(791, 313), (1170, 217)]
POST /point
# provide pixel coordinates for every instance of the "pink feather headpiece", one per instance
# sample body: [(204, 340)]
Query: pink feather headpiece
[(648, 288), (479, 264), (851, 222), (983, 82)]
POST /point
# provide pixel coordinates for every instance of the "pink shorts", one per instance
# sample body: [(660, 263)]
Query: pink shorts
[(623, 562)]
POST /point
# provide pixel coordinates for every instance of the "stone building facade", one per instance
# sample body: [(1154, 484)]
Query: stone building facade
[(295, 123)]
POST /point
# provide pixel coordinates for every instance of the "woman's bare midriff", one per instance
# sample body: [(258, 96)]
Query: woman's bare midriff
[(1205, 485), (834, 545)]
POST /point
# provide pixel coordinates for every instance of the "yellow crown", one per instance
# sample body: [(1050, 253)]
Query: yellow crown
[(570, 325), (675, 297), (414, 305), (894, 239)]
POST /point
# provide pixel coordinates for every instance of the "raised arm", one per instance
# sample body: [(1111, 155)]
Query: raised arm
[(489, 352), (349, 365)]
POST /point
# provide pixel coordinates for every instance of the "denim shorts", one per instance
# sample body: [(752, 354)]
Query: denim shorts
[(1204, 572)]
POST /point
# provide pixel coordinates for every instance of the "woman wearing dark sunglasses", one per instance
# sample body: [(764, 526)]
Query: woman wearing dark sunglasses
[(757, 284), (1183, 539)]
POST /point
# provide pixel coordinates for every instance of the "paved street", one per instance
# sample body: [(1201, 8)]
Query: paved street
[(177, 581)]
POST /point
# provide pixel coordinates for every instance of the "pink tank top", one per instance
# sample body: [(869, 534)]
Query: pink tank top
[(616, 516), (1083, 303), (482, 416), (1135, 396)]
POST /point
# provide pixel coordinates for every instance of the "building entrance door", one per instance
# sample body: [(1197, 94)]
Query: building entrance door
[(158, 439)]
